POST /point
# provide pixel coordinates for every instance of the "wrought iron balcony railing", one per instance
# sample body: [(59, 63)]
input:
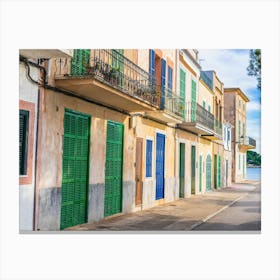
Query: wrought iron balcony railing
[(218, 127), (249, 141), (172, 102), (196, 113), (114, 69)]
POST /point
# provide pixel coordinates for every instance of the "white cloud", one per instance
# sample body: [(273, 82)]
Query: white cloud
[(253, 106), (230, 66)]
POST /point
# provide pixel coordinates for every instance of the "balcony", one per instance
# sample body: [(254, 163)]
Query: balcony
[(46, 53), (247, 143), (200, 121), (218, 128), (172, 107), (109, 78)]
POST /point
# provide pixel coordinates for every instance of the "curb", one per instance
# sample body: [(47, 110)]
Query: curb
[(217, 212)]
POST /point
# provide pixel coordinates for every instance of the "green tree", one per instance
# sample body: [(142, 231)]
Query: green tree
[(254, 68), (254, 158)]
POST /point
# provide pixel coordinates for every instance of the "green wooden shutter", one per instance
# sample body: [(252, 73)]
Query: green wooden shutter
[(23, 141), (182, 170), (193, 167), (219, 172), (215, 171), (118, 66), (75, 169), (193, 102), (182, 84), (113, 168), (79, 62)]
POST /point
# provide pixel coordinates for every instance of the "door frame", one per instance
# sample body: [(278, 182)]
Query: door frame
[(182, 188), (140, 139), (88, 155), (164, 152), (193, 169), (121, 196)]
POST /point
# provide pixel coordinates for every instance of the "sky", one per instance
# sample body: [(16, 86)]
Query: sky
[(230, 66)]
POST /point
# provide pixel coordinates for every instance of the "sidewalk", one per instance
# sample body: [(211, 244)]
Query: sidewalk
[(181, 215)]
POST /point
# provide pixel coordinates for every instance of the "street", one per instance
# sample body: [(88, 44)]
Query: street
[(235, 208), (245, 214)]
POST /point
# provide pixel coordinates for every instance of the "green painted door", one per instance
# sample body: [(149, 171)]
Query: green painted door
[(219, 172), (200, 173), (75, 169), (193, 169), (80, 62), (182, 171), (113, 169), (208, 173), (215, 172), (193, 102)]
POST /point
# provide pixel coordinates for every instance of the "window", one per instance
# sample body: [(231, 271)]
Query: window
[(204, 104), (170, 80), (209, 108), (228, 137), (239, 130), (152, 62), (225, 133), (239, 162), (149, 153), (182, 83), (23, 141)]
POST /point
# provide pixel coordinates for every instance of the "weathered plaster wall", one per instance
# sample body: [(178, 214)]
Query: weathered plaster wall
[(50, 161), (28, 91), (189, 139)]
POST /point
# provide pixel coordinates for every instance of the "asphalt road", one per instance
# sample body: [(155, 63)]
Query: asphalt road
[(243, 215)]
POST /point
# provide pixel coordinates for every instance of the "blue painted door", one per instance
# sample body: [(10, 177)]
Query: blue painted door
[(160, 155)]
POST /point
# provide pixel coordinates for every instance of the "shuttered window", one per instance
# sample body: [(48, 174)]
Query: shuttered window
[(23, 141), (182, 83), (170, 81), (204, 104), (152, 62), (80, 62), (149, 153)]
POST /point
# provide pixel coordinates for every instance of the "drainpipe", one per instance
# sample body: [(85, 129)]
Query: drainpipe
[(40, 84)]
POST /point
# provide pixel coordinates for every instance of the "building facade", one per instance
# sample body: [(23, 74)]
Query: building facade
[(235, 114), (118, 131)]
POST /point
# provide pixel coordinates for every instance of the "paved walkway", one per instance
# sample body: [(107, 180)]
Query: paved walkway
[(181, 215)]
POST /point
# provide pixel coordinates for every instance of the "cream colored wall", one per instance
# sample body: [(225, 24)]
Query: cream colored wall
[(188, 82), (240, 115), (50, 160), (147, 129), (189, 139), (205, 94), (143, 59), (205, 148)]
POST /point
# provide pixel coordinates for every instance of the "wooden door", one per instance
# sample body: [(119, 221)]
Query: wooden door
[(113, 168), (160, 158), (182, 171), (138, 171), (193, 166), (75, 170)]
